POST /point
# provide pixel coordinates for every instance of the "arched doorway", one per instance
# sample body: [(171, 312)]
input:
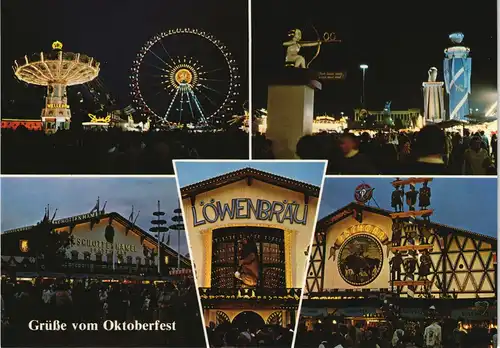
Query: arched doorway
[(248, 319)]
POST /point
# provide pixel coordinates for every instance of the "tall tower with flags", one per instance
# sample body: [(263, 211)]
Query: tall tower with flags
[(457, 68)]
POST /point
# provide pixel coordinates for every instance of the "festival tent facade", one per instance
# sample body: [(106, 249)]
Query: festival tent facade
[(464, 262), (249, 233), (97, 244), (460, 282)]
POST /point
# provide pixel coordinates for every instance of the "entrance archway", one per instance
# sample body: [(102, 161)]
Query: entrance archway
[(248, 319)]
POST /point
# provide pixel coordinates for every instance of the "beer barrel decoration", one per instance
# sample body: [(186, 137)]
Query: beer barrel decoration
[(109, 233)]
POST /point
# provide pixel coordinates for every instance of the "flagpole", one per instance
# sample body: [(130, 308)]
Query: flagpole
[(114, 267), (158, 237), (156, 230), (179, 244)]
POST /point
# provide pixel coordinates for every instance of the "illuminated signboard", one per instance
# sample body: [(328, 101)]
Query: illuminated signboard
[(95, 119), (332, 75), (29, 124), (57, 45), (57, 106), (61, 221), (76, 218), (245, 208), (97, 245)]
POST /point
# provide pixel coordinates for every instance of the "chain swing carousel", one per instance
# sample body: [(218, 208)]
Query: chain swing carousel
[(56, 70)]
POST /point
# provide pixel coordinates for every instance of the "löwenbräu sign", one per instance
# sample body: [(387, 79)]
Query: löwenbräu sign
[(245, 208)]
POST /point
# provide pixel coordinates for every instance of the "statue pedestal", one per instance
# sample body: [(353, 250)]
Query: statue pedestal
[(433, 101), (290, 109)]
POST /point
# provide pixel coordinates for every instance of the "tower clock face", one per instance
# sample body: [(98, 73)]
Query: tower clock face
[(360, 259)]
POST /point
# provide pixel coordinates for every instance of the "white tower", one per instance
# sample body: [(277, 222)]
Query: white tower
[(433, 98)]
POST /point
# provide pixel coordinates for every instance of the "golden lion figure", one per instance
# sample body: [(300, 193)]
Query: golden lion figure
[(248, 271)]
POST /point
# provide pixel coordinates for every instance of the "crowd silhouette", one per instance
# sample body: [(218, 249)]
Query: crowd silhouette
[(233, 335), (430, 151), (114, 152), (447, 333), (94, 301)]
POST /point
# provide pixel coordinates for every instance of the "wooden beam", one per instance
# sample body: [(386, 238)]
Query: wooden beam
[(411, 213), (410, 181), (411, 282), (412, 247)]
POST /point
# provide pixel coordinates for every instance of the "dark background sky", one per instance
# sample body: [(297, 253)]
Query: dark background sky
[(189, 173), (466, 203), (399, 40), (24, 199), (113, 32)]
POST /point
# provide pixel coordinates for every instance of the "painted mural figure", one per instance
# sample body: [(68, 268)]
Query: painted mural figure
[(425, 264), (248, 271), (396, 262), (424, 197), (397, 199), (410, 264), (411, 198), (360, 260), (410, 238), (397, 227), (424, 234)]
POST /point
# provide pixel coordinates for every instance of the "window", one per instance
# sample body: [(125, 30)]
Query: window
[(98, 257), (109, 258), (74, 255), (86, 256), (129, 260), (138, 260), (229, 245)]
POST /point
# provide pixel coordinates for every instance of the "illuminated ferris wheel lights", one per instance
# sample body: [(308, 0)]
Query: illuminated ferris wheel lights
[(184, 78)]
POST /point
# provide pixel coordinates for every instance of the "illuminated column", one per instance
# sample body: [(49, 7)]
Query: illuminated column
[(457, 73), (290, 110), (56, 114)]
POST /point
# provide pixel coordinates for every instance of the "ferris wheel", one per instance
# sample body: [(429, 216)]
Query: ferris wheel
[(185, 76)]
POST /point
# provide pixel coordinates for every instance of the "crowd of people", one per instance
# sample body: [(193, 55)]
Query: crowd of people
[(233, 335), (430, 333), (430, 151), (77, 151), (94, 301)]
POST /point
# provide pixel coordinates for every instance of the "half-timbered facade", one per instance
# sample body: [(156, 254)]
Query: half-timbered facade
[(463, 262)]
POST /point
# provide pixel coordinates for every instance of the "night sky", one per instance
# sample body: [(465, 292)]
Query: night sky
[(398, 41), (112, 32), (466, 203), (24, 199), (189, 173)]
